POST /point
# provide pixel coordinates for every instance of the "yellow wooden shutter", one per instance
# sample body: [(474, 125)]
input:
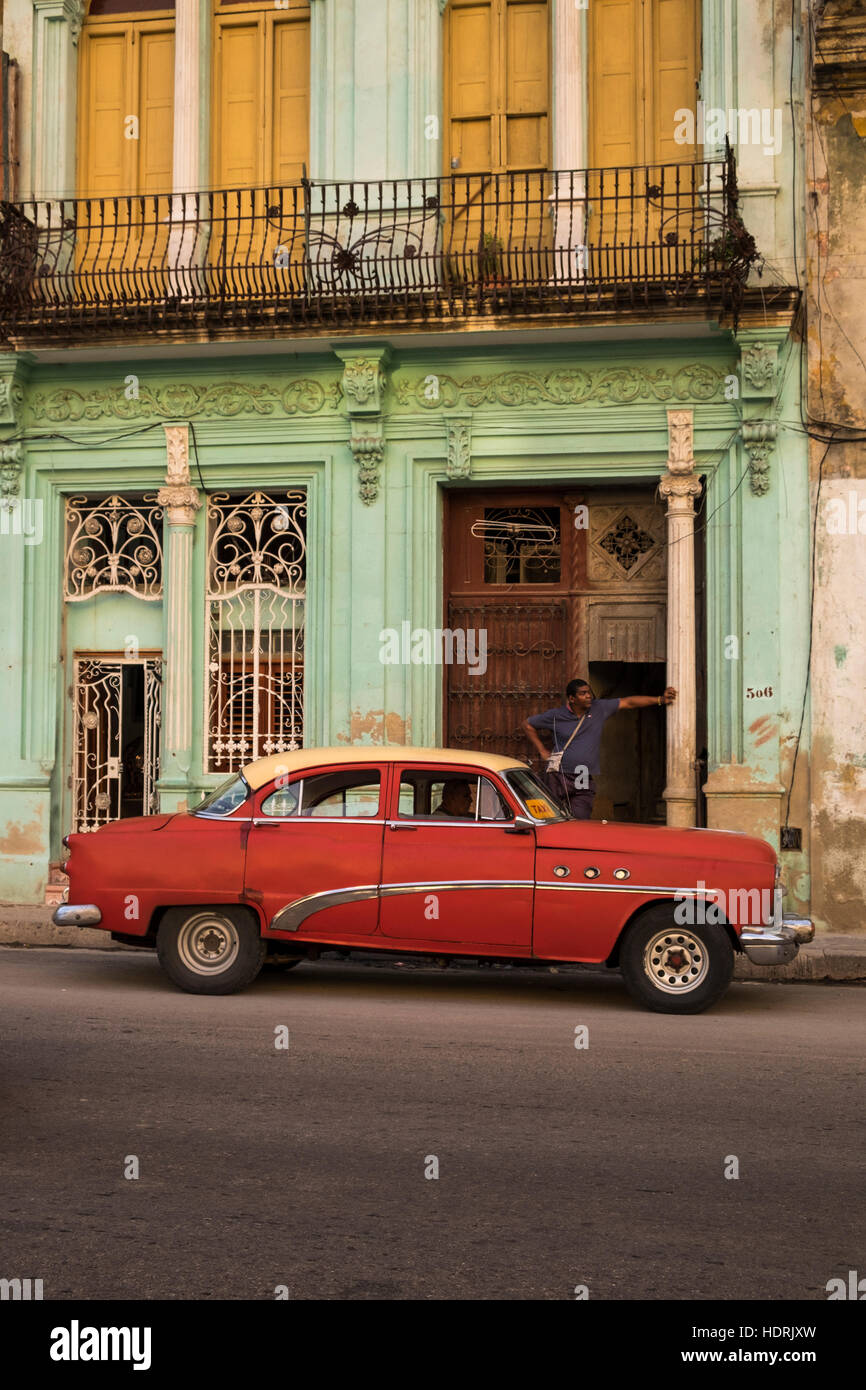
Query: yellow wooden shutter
[(155, 111), (472, 48), (616, 79), (675, 64), (290, 101), (526, 81), (239, 104), (106, 166), (644, 65), (497, 85)]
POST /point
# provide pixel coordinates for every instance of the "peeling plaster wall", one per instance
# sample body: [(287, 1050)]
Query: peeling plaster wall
[(836, 207)]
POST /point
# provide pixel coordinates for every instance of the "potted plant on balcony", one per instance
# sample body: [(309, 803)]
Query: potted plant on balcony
[(491, 268)]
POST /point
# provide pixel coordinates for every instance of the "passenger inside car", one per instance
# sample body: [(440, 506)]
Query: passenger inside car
[(457, 801)]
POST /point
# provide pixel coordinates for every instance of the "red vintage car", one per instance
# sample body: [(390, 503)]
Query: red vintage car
[(432, 851)]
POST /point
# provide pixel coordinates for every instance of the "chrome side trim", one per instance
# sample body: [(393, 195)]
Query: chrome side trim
[(290, 917), (318, 820), (293, 915), (596, 887)]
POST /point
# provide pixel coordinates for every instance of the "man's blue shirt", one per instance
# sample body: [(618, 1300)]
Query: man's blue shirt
[(585, 749)]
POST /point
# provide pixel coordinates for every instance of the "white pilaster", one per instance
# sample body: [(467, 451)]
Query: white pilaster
[(189, 230), (679, 486), (56, 30), (180, 501), (568, 199)]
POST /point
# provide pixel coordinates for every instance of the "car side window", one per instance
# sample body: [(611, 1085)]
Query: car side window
[(450, 796), (350, 794)]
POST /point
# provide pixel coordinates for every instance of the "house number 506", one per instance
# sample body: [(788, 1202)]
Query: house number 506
[(758, 694)]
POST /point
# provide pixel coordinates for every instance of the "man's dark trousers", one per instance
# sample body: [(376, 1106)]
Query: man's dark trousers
[(578, 800)]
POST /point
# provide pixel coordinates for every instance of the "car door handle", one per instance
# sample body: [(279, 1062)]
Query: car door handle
[(268, 820), (396, 825)]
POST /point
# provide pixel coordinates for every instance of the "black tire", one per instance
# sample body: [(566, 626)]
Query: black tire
[(210, 950), (673, 969)]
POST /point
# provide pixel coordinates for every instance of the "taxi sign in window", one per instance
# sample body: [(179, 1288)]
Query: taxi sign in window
[(542, 810)]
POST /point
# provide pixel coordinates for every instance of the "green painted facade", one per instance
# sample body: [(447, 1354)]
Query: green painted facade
[(576, 406)]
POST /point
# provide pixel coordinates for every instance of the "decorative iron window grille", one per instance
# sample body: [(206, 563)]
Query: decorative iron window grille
[(113, 543), (521, 545), (256, 581)]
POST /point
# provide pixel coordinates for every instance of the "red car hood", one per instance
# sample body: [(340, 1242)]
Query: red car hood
[(137, 823), (660, 841)]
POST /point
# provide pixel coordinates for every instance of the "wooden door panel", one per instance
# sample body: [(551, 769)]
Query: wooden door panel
[(156, 111), (239, 102), (291, 101)]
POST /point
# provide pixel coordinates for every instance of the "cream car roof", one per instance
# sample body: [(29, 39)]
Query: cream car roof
[(258, 774)]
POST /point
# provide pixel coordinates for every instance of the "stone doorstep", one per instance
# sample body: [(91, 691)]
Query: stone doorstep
[(830, 956)]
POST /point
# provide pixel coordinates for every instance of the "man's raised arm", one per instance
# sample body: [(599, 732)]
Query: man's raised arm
[(644, 701)]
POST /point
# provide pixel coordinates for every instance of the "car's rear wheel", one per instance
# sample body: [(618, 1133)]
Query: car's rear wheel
[(673, 969), (210, 950)]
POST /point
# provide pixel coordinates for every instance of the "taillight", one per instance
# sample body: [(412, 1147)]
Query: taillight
[(64, 868), (65, 841)]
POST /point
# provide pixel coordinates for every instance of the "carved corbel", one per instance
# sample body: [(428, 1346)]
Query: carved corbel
[(759, 437), (14, 369), (368, 450), (759, 364), (458, 431), (11, 463), (363, 386)]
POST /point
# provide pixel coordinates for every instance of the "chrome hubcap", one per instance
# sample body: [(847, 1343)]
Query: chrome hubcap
[(208, 943), (676, 962)]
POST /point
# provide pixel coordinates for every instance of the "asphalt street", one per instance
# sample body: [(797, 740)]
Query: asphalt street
[(600, 1166)]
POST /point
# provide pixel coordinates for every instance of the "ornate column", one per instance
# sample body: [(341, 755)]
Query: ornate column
[(680, 487), (180, 502), (190, 153), (568, 200)]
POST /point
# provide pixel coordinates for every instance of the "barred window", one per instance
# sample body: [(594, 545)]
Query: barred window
[(256, 578), (113, 543)]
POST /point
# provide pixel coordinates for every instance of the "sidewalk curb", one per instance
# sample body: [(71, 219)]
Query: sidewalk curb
[(831, 956)]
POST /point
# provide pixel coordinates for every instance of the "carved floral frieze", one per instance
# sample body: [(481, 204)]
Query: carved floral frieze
[(185, 400), (564, 386)]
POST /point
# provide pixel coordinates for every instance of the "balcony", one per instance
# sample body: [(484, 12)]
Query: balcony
[(565, 247)]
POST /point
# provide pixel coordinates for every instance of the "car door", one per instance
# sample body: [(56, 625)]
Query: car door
[(314, 852), (456, 874)]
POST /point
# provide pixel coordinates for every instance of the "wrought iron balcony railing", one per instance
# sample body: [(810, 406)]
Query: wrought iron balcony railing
[(350, 254)]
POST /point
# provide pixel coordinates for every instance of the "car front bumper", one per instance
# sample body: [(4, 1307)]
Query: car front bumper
[(76, 915), (776, 945)]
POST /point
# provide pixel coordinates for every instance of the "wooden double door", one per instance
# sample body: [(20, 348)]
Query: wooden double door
[(563, 584)]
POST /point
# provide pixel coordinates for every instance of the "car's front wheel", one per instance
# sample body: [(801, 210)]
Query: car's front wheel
[(210, 950), (673, 969)]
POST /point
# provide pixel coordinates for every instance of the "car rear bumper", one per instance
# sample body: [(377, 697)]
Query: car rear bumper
[(76, 915), (776, 945)]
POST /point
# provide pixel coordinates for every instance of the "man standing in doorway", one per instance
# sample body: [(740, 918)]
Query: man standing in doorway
[(576, 729)]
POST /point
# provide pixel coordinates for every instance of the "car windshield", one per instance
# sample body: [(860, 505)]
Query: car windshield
[(225, 798), (539, 802)]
